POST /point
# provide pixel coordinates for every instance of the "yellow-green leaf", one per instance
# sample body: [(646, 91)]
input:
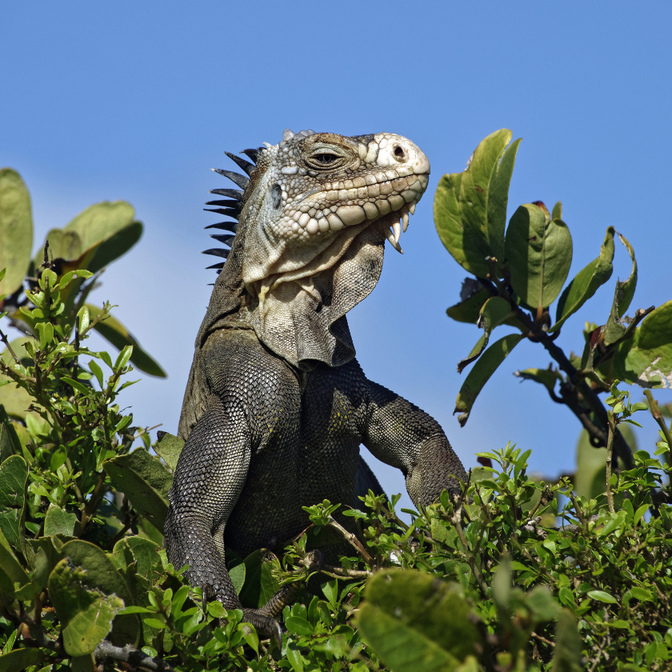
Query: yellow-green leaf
[(16, 230)]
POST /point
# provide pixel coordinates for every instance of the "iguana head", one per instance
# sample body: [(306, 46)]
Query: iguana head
[(314, 217)]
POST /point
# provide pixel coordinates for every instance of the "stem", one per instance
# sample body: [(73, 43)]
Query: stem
[(610, 447), (341, 572), (92, 505), (469, 554)]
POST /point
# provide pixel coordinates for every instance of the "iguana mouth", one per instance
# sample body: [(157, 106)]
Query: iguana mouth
[(395, 223)]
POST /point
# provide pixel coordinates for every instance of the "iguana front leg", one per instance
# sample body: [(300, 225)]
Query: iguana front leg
[(403, 436), (209, 478)]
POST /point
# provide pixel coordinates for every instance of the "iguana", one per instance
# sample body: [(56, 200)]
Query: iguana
[(276, 405)]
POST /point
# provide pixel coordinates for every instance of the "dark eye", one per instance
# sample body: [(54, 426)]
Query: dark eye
[(276, 195), (325, 160)]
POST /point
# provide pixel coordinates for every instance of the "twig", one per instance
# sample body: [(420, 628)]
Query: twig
[(351, 539), (579, 513), (131, 655), (542, 639), (4, 339), (658, 417), (341, 572)]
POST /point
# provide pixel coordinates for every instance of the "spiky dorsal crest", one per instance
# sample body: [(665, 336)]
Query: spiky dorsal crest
[(235, 198), (233, 204)]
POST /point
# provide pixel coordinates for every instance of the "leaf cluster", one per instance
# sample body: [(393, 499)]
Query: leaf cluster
[(520, 271), (95, 238)]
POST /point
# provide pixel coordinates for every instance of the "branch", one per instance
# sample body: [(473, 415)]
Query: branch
[(582, 391), (131, 655)]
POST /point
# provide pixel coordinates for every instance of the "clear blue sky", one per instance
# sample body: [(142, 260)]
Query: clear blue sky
[(137, 101)]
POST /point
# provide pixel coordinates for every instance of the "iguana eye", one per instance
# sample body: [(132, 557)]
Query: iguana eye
[(324, 160)]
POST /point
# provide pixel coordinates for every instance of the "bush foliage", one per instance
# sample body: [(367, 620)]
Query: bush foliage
[(514, 574)]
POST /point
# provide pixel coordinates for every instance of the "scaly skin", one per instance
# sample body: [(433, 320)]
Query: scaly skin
[(276, 406)]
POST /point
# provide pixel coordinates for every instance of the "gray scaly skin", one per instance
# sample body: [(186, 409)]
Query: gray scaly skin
[(277, 406)]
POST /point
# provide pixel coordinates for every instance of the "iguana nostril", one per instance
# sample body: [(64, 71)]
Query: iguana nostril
[(399, 153)]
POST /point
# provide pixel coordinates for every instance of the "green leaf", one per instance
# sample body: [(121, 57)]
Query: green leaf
[(142, 552), (646, 358), (10, 563), (168, 448), (16, 230), (479, 375), (58, 521), (237, 575), (641, 594), (469, 308), (602, 596), (20, 660), (101, 221), (117, 334), (615, 329), (47, 554), (86, 615), (538, 255), (260, 584), (15, 399), (542, 603), (145, 481), (102, 575), (549, 378), (104, 232), (100, 570), (626, 290), (586, 282), (414, 622), (495, 311), (501, 586), (470, 207), (10, 443), (65, 245), (298, 626), (13, 478)]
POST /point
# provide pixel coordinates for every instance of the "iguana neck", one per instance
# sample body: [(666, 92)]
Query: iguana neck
[(310, 241)]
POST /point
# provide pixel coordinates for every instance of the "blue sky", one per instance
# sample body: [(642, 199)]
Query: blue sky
[(137, 101)]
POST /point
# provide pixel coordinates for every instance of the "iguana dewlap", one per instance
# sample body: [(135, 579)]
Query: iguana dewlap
[(277, 406)]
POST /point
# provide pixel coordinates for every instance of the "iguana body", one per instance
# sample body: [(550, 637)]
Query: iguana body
[(276, 406)]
